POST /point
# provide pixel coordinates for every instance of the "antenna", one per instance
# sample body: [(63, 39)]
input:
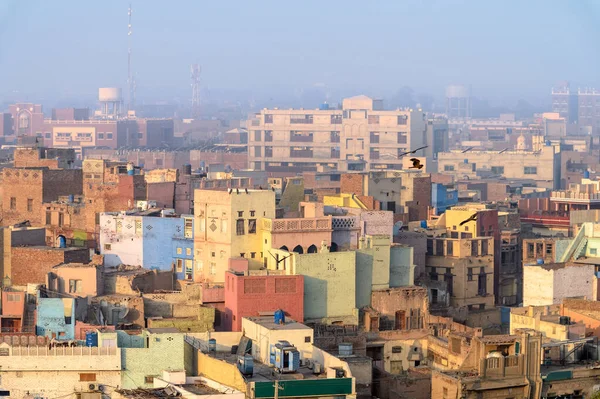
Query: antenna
[(130, 78), (195, 69)]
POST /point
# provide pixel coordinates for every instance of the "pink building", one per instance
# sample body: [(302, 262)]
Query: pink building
[(77, 279), (248, 295), (13, 311)]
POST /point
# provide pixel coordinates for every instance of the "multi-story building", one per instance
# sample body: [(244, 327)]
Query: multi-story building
[(565, 102), (436, 137), (541, 165), (360, 136), (149, 239), (229, 225)]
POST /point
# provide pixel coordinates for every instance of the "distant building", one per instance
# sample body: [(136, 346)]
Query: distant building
[(359, 136), (458, 102)]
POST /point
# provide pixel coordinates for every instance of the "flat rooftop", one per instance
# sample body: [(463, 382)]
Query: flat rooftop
[(268, 322)]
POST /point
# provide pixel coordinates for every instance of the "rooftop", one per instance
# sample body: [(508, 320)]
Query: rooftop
[(77, 265), (498, 339), (165, 330), (268, 322)]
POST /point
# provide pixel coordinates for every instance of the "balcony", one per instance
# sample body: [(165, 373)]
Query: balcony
[(301, 138), (301, 119), (299, 225), (573, 196), (301, 153)]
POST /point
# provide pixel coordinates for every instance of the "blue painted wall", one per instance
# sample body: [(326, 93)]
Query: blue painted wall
[(52, 318), (442, 198)]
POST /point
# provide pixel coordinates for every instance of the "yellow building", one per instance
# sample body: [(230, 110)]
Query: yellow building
[(360, 136), (344, 200), (229, 225)]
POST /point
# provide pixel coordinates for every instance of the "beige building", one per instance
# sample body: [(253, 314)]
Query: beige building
[(541, 165), (360, 136), (229, 225)]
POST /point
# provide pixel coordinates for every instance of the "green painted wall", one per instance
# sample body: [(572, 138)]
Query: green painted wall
[(164, 352), (329, 284), (298, 389)]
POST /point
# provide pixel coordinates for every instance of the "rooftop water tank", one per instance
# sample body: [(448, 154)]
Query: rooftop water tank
[(345, 349), (586, 174), (212, 345), (279, 317), (246, 364), (324, 107), (540, 261), (423, 224), (548, 143), (130, 169), (71, 198)]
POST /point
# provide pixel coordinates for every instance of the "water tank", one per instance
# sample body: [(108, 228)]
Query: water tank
[(564, 320), (246, 364), (109, 94), (212, 345), (187, 169), (91, 338), (423, 224), (202, 164), (586, 174), (540, 261), (279, 317), (62, 242), (130, 169), (495, 354), (345, 349), (71, 198), (324, 107), (548, 143), (316, 368)]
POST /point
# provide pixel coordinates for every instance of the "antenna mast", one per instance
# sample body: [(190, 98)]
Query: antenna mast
[(130, 78), (195, 69)]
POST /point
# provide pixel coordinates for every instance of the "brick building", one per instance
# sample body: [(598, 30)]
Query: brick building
[(32, 264), (25, 190), (247, 295), (41, 157)]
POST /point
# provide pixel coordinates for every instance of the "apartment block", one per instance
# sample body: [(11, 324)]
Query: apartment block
[(359, 136)]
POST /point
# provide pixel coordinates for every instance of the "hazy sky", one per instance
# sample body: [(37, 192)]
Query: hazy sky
[(509, 48)]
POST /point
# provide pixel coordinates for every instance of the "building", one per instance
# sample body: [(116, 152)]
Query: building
[(565, 101), (442, 198), (550, 283), (31, 264), (25, 190), (511, 164), (458, 102), (548, 320), (152, 239), (40, 157), (251, 295), (55, 318), (229, 225), (360, 136), (401, 192), (76, 279), (436, 137)]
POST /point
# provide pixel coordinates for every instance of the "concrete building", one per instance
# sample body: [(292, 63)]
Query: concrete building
[(360, 136), (55, 318), (442, 198), (436, 137), (251, 295), (511, 164), (76, 279), (152, 239), (548, 320), (565, 101), (550, 283), (458, 102), (229, 225)]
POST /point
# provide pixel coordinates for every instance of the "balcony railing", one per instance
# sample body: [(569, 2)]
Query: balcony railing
[(64, 351), (297, 225), (573, 196)]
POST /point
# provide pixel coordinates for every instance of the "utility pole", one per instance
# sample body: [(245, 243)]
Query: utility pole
[(277, 388), (195, 69), (130, 78)]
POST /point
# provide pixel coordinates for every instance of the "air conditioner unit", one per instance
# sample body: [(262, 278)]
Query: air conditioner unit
[(93, 387)]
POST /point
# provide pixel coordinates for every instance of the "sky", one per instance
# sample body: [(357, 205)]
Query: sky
[(503, 48)]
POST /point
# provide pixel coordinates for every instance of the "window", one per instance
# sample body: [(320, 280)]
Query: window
[(251, 226), (140, 136), (268, 118), (179, 266), (61, 219), (48, 135), (107, 247), (396, 349), (179, 251), (200, 265), (149, 379), (470, 274), (74, 286), (48, 218), (444, 393), (402, 119), (448, 168), (213, 268), (213, 254), (100, 136), (307, 339), (257, 135), (548, 249), (402, 138), (253, 255), (240, 214), (257, 151), (239, 227), (593, 251), (88, 377), (29, 205), (13, 203), (188, 251), (252, 213), (530, 170), (109, 136), (188, 228), (373, 119), (498, 170)]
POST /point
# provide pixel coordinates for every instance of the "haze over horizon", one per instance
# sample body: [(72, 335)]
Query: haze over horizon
[(505, 50)]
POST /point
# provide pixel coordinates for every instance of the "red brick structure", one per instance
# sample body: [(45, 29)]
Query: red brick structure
[(248, 295), (51, 158), (32, 264), (25, 190)]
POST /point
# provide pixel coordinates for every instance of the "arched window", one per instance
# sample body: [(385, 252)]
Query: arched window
[(298, 249), (334, 247), (312, 249), (23, 120), (284, 248)]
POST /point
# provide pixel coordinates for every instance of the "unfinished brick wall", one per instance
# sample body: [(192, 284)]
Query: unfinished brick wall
[(351, 183), (32, 264)]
